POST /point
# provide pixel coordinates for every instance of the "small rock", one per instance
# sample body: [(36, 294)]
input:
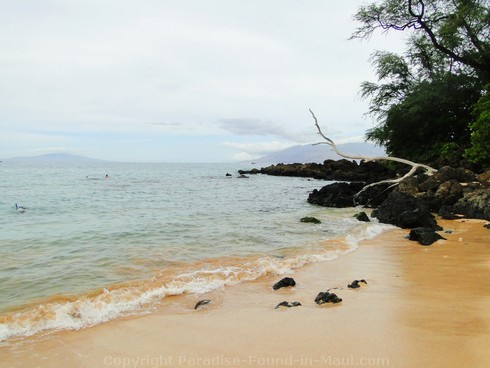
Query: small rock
[(355, 284), (202, 302), (282, 304), (326, 297), (312, 220), (285, 282), (487, 226), (362, 216), (287, 304)]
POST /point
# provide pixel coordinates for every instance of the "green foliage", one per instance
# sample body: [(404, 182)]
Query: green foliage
[(479, 152), (423, 99), (458, 31), (432, 119)]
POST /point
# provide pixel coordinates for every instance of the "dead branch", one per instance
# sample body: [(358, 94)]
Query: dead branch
[(414, 165)]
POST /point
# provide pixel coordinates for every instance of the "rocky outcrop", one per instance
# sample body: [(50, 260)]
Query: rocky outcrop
[(338, 170), (475, 204), (405, 211), (451, 192), (336, 195)]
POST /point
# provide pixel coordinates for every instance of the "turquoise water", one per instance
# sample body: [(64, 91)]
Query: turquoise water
[(88, 248)]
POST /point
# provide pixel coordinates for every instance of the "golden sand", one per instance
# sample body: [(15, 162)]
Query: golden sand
[(422, 307)]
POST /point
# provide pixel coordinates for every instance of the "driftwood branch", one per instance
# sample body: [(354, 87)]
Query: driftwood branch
[(414, 165)]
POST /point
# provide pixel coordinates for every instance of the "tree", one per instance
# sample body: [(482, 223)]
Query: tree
[(479, 152), (432, 117), (424, 98), (459, 29)]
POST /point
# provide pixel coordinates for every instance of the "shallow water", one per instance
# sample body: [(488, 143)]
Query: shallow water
[(90, 248)]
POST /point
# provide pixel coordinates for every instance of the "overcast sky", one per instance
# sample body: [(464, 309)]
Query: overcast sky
[(179, 80)]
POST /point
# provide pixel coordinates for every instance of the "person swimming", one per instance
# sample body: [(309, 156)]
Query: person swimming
[(20, 208)]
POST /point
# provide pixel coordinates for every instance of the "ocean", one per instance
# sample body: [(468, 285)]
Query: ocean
[(98, 241)]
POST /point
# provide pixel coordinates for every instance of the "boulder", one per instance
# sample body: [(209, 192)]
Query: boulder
[(475, 204), (447, 213), (405, 211), (424, 235), (375, 195), (448, 193), (336, 195), (484, 179)]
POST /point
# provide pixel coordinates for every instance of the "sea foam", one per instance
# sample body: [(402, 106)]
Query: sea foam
[(142, 296)]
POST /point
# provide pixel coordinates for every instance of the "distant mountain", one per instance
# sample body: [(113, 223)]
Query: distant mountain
[(319, 153), (53, 158)]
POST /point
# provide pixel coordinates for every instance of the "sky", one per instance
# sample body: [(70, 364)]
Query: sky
[(180, 80)]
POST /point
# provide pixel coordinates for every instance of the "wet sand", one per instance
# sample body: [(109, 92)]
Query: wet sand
[(422, 307)]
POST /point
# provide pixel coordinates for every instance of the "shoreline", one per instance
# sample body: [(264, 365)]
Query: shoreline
[(422, 306)]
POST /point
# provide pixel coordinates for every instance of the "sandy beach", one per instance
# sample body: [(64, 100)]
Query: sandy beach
[(422, 307)]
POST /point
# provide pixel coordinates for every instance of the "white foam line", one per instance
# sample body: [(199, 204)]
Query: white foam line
[(126, 301)]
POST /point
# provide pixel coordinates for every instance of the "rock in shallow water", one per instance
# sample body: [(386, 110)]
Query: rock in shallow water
[(288, 305), (200, 303), (326, 297), (312, 220), (355, 284), (285, 282), (362, 216)]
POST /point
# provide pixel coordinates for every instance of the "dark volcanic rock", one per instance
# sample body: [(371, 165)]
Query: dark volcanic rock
[(287, 304), (484, 179), (475, 204), (424, 235), (326, 297), (448, 193), (336, 195), (447, 213), (342, 170), (200, 303), (312, 220), (362, 216), (355, 284), (375, 195), (405, 211), (285, 282)]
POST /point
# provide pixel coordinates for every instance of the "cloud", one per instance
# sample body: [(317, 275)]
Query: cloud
[(258, 127), (258, 149), (174, 69), (251, 127)]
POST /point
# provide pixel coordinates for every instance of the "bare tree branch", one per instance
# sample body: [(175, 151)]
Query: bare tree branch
[(414, 165)]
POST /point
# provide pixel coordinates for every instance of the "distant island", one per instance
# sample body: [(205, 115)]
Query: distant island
[(309, 153)]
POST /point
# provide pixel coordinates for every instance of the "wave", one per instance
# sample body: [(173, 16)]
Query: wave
[(139, 297)]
